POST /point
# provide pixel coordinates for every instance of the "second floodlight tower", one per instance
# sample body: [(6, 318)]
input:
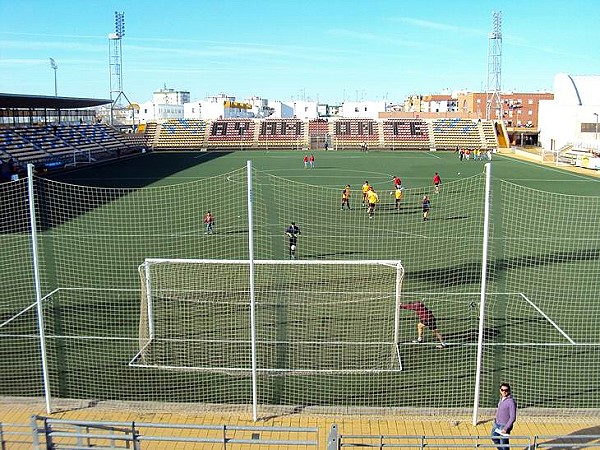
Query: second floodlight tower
[(493, 110), (115, 65)]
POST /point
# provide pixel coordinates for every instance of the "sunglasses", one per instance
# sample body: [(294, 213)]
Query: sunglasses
[(504, 389)]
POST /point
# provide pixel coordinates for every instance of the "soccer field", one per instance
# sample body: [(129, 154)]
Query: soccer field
[(541, 308)]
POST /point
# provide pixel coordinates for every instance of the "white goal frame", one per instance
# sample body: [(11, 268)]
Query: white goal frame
[(147, 332)]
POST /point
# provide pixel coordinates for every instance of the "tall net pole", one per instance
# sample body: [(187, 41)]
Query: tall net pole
[(252, 294), (484, 264), (38, 288)]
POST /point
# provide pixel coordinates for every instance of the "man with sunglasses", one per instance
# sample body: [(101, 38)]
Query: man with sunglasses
[(506, 414)]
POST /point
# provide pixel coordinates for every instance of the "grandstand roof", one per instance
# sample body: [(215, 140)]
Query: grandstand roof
[(18, 101)]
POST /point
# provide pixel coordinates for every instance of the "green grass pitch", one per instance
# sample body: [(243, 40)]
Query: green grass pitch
[(107, 376)]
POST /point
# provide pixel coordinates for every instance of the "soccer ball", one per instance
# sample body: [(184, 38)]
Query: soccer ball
[(459, 173)]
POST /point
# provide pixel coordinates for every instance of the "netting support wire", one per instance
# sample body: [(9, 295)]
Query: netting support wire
[(38, 287), (484, 258), (252, 297)]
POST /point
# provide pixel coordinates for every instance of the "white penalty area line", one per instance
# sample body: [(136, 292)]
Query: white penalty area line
[(547, 318)]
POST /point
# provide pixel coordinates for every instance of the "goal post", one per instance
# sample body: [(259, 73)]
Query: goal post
[(311, 316)]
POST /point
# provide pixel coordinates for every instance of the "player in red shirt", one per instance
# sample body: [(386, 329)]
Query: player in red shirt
[(209, 222), (426, 320), (305, 161), (437, 180), (397, 183)]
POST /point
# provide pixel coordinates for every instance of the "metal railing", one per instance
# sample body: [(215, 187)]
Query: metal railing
[(60, 433), (337, 441)]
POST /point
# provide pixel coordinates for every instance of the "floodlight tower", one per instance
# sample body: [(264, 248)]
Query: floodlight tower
[(493, 108), (54, 67), (115, 63)]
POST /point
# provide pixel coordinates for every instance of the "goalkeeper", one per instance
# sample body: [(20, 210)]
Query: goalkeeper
[(426, 320), (292, 232)]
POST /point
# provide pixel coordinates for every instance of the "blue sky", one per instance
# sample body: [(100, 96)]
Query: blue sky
[(327, 50)]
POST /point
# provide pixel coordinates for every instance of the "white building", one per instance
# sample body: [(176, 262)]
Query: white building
[(281, 110), (170, 97), (260, 107), (306, 110), (572, 117), (363, 110), (217, 107), (439, 103), (166, 104), (152, 112)]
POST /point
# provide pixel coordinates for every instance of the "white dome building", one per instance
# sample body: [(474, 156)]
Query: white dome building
[(572, 117)]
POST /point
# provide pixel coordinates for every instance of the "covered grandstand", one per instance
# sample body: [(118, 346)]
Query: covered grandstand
[(56, 132)]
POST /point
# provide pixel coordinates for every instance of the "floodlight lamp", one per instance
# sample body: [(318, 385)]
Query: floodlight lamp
[(53, 64), (120, 23)]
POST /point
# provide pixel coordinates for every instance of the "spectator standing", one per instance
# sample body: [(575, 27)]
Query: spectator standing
[(13, 170), (506, 414)]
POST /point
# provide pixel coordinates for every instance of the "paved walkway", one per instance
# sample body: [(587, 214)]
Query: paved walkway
[(19, 411)]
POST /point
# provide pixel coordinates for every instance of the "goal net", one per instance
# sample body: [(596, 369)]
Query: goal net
[(309, 316)]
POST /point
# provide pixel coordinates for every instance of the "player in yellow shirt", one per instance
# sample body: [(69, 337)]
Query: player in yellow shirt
[(365, 188), (372, 200), (346, 197), (398, 195)]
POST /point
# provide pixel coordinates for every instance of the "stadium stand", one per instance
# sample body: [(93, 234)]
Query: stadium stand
[(136, 140), (18, 148), (340, 134), (278, 133), (54, 146), (231, 134), (319, 133), (448, 134), (181, 134), (150, 133), (76, 144), (406, 134), (489, 135), (353, 133)]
